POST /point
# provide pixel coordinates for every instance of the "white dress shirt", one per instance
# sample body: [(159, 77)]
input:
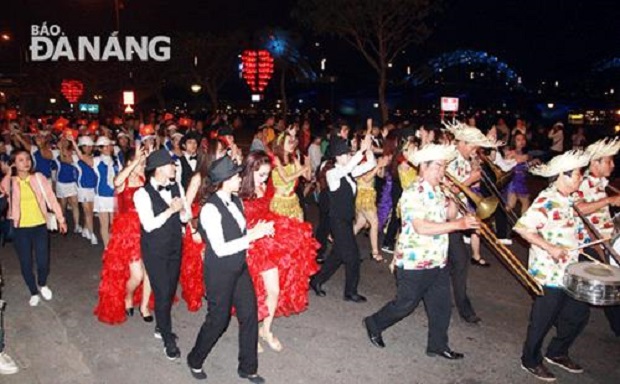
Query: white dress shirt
[(211, 221), (314, 153), (351, 169), (193, 163), (144, 206)]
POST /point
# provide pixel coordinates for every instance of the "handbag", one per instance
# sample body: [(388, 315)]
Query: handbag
[(7, 229), (51, 220)]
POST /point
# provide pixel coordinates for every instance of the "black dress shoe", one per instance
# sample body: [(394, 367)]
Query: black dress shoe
[(447, 354), (317, 288), (472, 319), (129, 312), (356, 298), (375, 338), (252, 378), (147, 319), (172, 352), (198, 374)]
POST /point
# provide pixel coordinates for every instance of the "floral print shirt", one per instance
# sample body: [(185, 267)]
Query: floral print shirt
[(552, 216), (415, 251), (460, 168), (593, 189)]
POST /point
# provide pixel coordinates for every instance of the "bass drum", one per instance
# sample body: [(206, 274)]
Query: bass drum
[(597, 284)]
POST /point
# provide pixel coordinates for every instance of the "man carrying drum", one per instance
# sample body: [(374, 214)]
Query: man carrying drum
[(554, 230), (595, 202)]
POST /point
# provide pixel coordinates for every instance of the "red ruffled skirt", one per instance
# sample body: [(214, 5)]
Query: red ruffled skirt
[(292, 250), (191, 278)]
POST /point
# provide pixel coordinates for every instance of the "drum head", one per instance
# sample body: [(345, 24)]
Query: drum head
[(600, 272)]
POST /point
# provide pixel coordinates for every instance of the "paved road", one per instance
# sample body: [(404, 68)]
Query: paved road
[(62, 342)]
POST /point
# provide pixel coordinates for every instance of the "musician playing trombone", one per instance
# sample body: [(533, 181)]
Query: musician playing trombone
[(554, 230), (595, 202), (422, 253)]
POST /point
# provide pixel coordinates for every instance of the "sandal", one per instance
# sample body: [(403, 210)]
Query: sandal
[(376, 256), (480, 262), (259, 348), (272, 342)]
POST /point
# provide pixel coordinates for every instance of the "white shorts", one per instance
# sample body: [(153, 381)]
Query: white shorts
[(86, 195), (104, 204), (64, 190)]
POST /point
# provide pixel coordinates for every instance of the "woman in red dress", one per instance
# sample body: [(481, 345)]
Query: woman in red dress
[(123, 271), (281, 265)]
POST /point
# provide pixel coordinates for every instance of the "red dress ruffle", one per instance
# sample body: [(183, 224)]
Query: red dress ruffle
[(292, 250), (123, 248), (191, 278)]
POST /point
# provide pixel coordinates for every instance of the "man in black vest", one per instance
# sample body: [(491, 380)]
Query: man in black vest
[(161, 207), (186, 165), (227, 279), (342, 188)]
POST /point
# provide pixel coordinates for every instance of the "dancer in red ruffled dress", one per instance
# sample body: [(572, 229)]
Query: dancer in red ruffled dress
[(281, 265), (123, 271), (191, 277)]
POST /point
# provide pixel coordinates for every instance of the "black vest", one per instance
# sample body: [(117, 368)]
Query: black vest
[(186, 171), (165, 241), (342, 201), (230, 227)]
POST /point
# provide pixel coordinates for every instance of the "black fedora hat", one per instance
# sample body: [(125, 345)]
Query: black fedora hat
[(158, 159), (338, 146), (225, 130), (223, 169), (191, 135)]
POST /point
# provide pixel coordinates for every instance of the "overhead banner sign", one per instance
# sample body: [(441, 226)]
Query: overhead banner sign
[(449, 104)]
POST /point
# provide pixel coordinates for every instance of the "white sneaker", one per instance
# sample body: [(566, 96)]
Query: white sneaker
[(86, 234), (46, 293), (7, 365), (466, 239), (34, 300), (78, 229), (93, 239)]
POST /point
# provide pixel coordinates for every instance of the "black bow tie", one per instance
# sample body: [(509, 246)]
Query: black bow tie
[(164, 188), (195, 157)]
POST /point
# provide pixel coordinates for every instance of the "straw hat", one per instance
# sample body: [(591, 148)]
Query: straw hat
[(562, 163), (432, 152), (471, 135), (603, 148)]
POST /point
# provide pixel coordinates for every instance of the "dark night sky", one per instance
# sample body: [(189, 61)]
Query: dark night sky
[(551, 39)]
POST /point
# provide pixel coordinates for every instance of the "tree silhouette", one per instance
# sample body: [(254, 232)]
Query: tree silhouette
[(379, 29)]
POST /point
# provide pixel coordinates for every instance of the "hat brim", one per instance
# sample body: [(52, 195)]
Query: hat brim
[(236, 170), (152, 167)]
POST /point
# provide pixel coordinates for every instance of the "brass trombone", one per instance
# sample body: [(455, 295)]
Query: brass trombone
[(503, 253), (484, 206)]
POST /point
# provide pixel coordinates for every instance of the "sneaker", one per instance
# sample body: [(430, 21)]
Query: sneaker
[(540, 372), (388, 249), (565, 363), (7, 365), (86, 234), (467, 239), (34, 300), (172, 352), (93, 239), (506, 241), (157, 333), (78, 229), (46, 293)]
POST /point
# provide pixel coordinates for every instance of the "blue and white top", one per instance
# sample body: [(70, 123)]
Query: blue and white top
[(106, 168), (87, 177), (67, 172), (41, 164)]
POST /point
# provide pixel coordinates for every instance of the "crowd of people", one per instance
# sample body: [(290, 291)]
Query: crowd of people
[(175, 201)]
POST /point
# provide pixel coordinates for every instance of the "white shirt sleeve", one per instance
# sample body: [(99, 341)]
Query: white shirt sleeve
[(186, 213), (179, 170), (144, 207), (334, 175), (367, 166), (211, 222)]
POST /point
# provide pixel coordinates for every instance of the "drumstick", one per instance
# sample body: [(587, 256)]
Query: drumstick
[(590, 244), (595, 261)]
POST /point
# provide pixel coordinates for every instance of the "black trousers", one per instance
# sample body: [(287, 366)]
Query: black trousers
[(557, 309), (164, 276), (228, 283), (344, 250), (322, 230), (458, 262), (430, 285), (501, 224), (613, 316), (29, 241)]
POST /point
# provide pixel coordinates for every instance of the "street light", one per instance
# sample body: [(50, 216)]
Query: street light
[(550, 105), (5, 37), (53, 101), (196, 88), (323, 61)]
